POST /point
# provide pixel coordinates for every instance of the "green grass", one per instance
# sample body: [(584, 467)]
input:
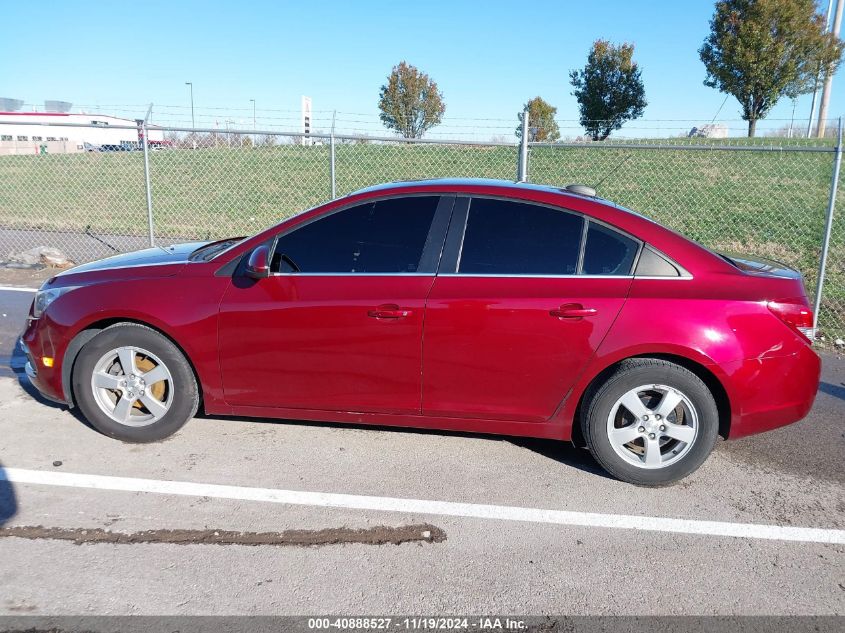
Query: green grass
[(767, 203)]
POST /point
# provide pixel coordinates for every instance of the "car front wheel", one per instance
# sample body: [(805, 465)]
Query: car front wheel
[(651, 423), (134, 384)]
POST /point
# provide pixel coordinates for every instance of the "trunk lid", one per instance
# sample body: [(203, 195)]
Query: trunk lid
[(762, 266), (784, 286)]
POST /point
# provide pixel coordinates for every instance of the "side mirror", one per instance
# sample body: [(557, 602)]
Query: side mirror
[(258, 265)]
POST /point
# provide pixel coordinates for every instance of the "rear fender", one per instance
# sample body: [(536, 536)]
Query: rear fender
[(569, 414)]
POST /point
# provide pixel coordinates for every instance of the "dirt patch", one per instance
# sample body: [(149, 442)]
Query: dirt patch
[(30, 277), (379, 535)]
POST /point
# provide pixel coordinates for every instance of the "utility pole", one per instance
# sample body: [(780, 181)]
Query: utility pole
[(828, 78), (816, 82), (792, 120), (193, 124)]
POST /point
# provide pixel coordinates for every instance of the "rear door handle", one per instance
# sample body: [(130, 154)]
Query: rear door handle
[(389, 311), (573, 311)]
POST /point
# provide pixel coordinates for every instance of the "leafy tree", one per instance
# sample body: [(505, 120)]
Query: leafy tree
[(410, 102), (541, 121), (609, 89), (762, 50)]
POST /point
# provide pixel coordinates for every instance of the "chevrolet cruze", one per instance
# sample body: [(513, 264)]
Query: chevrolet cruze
[(472, 305)]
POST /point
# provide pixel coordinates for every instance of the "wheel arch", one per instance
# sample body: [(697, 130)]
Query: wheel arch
[(90, 331), (705, 373)]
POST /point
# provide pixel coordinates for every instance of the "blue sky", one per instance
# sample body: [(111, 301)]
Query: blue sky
[(487, 57)]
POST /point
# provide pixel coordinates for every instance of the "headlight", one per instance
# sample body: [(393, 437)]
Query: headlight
[(46, 296)]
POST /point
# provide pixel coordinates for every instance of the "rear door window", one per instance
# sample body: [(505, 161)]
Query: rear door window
[(504, 237), (608, 252)]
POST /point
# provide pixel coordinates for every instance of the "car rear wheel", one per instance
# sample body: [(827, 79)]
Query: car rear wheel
[(134, 384), (651, 423)]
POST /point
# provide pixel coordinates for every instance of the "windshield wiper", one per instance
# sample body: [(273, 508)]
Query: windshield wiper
[(208, 251)]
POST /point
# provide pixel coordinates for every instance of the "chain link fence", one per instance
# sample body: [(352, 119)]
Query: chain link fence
[(241, 186), (766, 197), (761, 200)]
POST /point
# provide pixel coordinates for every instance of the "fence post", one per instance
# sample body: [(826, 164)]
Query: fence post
[(331, 159), (834, 185), (522, 161), (147, 177)]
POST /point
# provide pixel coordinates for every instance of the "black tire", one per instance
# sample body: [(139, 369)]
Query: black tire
[(185, 395), (629, 375)]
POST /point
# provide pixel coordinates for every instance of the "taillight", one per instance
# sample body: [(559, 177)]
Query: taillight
[(795, 313)]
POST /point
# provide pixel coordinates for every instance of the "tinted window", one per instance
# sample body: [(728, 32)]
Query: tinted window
[(512, 238), (378, 237), (608, 252)]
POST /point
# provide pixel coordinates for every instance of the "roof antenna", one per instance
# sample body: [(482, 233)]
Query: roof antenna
[(581, 190), (612, 171)]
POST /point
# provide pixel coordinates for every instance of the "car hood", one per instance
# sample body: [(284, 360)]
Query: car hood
[(176, 254)]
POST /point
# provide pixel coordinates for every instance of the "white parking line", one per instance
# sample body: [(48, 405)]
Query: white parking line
[(421, 506), (18, 289)]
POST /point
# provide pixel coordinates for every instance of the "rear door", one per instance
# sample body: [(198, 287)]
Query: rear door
[(524, 295), (338, 325)]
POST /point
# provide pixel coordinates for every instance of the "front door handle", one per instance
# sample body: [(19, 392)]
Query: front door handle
[(389, 311), (573, 311)]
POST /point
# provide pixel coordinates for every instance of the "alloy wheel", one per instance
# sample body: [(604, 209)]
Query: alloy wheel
[(652, 426), (132, 386)]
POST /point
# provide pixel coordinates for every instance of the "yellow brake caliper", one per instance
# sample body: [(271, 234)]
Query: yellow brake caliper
[(144, 364)]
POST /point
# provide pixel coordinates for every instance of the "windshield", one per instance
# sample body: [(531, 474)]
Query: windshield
[(213, 249)]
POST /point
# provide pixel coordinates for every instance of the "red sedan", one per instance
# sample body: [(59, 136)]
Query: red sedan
[(467, 305)]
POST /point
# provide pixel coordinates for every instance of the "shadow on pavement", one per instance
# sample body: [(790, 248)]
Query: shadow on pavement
[(558, 450), (837, 391), (15, 367), (562, 452), (8, 501)]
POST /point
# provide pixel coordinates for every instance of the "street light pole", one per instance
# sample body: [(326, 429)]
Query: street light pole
[(193, 124)]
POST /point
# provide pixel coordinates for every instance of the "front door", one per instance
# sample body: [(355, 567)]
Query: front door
[(338, 325)]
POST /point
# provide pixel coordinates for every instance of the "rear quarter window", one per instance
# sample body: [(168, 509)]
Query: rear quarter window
[(653, 264)]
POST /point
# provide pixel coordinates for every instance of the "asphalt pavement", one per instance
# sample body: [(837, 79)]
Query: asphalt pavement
[(236, 516)]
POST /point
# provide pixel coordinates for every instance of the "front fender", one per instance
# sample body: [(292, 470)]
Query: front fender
[(184, 312)]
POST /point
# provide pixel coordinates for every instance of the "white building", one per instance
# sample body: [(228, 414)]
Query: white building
[(709, 130), (18, 135)]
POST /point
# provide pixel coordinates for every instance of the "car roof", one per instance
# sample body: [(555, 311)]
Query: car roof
[(641, 226), (687, 253), (459, 184)]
